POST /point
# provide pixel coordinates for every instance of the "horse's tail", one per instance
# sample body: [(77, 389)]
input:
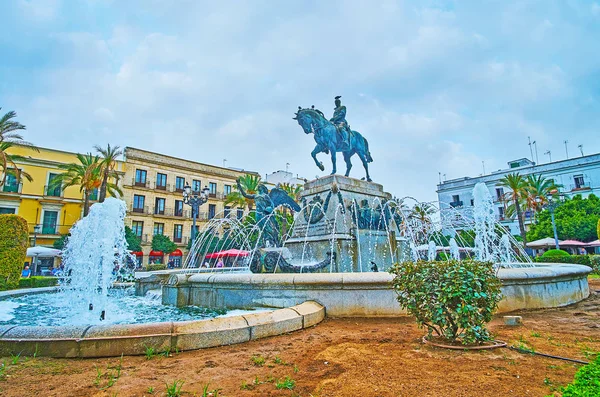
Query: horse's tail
[(367, 152)]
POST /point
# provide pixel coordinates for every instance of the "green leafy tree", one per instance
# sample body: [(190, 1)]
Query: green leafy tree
[(517, 193), (576, 219), (61, 242), (8, 138), (108, 170), (86, 174), (163, 243), (287, 215), (539, 189), (13, 247), (250, 185), (133, 242), (598, 229)]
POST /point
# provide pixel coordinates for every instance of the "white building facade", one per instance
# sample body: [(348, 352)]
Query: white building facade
[(580, 175)]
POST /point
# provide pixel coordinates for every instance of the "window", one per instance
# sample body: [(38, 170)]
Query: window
[(140, 177), (196, 185), (138, 203), (179, 184), (94, 194), (212, 209), (178, 208), (49, 222), (159, 228), (501, 213), (212, 189), (499, 193), (11, 184), (137, 228), (227, 189), (240, 213), (4, 210), (455, 198), (226, 212), (472, 202), (177, 232), (161, 181), (159, 206), (56, 192), (579, 182)]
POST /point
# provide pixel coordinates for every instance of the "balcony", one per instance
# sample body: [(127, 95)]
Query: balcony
[(140, 210), (171, 212), (580, 186), (177, 239), (164, 187), (53, 192), (455, 204), (12, 188), (140, 183)]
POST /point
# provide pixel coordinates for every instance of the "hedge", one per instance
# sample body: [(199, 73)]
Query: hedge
[(592, 261), (151, 268), (38, 281), (555, 253), (13, 247)]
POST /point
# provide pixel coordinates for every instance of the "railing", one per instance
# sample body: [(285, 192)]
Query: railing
[(166, 187), (53, 192), (455, 204), (178, 189), (160, 210), (12, 187), (137, 183), (171, 212), (580, 186), (177, 239), (140, 210)]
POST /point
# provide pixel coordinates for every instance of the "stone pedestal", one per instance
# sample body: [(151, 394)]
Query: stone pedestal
[(347, 216)]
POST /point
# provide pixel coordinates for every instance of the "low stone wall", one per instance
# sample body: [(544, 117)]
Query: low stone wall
[(133, 339), (364, 294)]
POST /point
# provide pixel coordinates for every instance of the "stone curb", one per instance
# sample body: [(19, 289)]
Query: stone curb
[(134, 339)]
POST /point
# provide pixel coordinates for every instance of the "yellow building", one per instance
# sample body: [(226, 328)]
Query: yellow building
[(50, 213), (153, 190)]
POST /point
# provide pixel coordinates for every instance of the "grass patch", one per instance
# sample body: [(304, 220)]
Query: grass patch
[(174, 389), (258, 360), (285, 383)]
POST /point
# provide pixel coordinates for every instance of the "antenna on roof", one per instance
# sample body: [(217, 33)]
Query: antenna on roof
[(580, 146), (530, 148), (566, 149), (549, 153)]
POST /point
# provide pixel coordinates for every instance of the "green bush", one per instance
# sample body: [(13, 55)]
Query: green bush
[(595, 263), (454, 299), (586, 383), (555, 253), (38, 281), (576, 259), (13, 247), (151, 268)]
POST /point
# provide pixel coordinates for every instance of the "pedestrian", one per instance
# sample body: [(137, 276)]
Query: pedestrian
[(26, 273), (220, 263)]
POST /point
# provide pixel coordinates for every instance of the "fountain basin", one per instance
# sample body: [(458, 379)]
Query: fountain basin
[(133, 339), (366, 294)]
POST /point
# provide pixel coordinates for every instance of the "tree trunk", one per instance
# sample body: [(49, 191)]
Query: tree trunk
[(520, 219), (86, 202), (102, 195)]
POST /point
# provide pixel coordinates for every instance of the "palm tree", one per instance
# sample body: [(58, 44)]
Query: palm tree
[(9, 138), (420, 219), (108, 165), (517, 186), (250, 185), (87, 174), (294, 192), (538, 186)]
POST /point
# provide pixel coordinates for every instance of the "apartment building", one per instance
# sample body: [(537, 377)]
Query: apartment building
[(153, 190), (580, 175), (49, 213)]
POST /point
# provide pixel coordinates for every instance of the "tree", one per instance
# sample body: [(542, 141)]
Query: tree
[(133, 242), (294, 191), (518, 192), (163, 243), (420, 219), (539, 189), (108, 170), (61, 242), (598, 229), (13, 247), (86, 174), (9, 138), (250, 185), (576, 219)]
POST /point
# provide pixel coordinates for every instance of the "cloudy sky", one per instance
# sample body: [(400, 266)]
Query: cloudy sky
[(435, 86)]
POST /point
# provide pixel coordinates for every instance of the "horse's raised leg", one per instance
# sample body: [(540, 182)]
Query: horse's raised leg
[(347, 156), (316, 150), (365, 164), (333, 161)]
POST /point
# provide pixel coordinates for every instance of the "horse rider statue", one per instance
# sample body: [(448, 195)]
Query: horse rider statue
[(339, 120)]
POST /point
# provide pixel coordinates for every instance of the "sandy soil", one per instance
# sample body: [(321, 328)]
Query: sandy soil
[(339, 357)]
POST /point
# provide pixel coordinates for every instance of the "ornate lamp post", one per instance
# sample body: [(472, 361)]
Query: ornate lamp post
[(554, 200), (194, 199)]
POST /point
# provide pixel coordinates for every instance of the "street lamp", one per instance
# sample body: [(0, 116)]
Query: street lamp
[(194, 199), (554, 200)]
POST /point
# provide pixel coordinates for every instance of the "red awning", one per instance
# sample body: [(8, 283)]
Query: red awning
[(137, 253), (177, 252), (571, 243), (228, 253), (156, 253)]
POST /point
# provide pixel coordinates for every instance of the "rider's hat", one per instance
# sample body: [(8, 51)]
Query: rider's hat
[(338, 97)]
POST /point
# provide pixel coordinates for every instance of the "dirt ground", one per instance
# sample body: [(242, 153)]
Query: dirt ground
[(339, 357)]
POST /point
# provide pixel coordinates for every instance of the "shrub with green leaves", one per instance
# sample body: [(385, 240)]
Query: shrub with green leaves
[(13, 247), (38, 281), (152, 268), (595, 263), (554, 253), (576, 259), (586, 383), (453, 299)]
